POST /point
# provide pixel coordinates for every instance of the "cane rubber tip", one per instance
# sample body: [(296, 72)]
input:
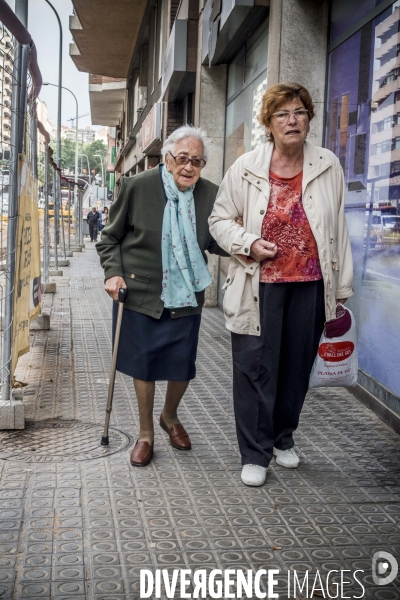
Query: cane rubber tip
[(104, 440)]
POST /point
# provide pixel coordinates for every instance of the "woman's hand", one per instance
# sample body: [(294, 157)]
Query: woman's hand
[(341, 301), (113, 285), (261, 249), (239, 221)]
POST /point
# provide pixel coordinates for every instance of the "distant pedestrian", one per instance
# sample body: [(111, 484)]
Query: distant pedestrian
[(155, 245), (103, 218), (93, 222), (280, 213)]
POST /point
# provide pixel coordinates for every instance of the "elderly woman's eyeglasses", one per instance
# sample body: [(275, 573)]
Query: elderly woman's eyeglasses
[(181, 159), (282, 116)]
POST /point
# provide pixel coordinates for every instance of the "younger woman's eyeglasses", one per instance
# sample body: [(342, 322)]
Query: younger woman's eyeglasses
[(282, 116)]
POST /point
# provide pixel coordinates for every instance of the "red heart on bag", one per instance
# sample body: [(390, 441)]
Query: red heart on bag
[(335, 352)]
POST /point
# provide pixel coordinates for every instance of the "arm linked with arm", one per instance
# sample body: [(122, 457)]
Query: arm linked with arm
[(229, 235)]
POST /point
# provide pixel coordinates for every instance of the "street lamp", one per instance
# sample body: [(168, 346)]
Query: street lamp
[(81, 154), (58, 156), (57, 184), (76, 138), (102, 168)]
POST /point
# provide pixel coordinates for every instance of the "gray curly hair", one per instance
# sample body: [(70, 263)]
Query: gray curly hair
[(186, 131)]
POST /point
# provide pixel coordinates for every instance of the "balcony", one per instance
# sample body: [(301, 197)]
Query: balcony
[(385, 91), (106, 99), (391, 20), (105, 35), (385, 134), (380, 73), (384, 158)]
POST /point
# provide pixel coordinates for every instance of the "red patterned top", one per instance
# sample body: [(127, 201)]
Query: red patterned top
[(286, 225)]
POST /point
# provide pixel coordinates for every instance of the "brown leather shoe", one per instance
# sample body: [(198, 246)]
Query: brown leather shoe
[(178, 435), (141, 454)]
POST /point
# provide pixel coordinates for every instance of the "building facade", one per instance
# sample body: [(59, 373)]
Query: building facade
[(6, 70), (208, 62)]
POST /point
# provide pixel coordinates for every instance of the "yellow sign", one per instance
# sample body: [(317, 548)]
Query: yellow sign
[(27, 291)]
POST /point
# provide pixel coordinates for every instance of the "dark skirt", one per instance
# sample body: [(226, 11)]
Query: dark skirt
[(162, 349)]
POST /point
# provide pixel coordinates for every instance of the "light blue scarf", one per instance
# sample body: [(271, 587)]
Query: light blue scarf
[(184, 269)]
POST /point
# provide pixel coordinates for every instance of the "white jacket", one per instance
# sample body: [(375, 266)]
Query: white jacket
[(245, 192)]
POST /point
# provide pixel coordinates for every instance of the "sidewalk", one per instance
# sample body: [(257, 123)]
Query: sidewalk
[(78, 522)]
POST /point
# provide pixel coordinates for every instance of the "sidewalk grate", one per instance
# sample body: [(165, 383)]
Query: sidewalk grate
[(60, 441)]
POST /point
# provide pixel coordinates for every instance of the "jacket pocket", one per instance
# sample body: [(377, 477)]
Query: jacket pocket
[(232, 298), (137, 285)]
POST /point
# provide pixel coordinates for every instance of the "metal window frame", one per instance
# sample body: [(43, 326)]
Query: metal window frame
[(360, 24), (372, 14)]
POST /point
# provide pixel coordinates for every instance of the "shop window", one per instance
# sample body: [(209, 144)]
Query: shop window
[(247, 82), (250, 60), (346, 13), (364, 80)]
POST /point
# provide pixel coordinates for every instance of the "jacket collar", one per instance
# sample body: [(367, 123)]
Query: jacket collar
[(316, 160)]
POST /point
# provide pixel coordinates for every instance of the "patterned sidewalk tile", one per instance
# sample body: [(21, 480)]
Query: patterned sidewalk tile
[(77, 521)]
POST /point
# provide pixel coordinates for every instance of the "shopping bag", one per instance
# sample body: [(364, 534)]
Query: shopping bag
[(336, 363)]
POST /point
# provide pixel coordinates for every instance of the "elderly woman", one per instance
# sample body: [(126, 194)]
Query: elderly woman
[(280, 214), (154, 245)]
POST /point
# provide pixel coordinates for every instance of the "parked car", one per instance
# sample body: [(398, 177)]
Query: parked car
[(385, 228), (4, 176)]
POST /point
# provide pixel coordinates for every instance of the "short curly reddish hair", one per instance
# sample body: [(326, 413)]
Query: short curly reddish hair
[(279, 94)]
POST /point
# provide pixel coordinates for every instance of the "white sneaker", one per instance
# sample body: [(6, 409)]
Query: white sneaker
[(287, 458), (253, 475)]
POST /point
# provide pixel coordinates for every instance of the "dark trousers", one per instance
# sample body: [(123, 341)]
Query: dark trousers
[(93, 229), (271, 372)]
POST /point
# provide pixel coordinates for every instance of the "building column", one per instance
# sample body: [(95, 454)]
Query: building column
[(209, 113), (297, 47)]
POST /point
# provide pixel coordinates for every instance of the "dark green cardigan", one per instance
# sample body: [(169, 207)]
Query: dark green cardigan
[(130, 244)]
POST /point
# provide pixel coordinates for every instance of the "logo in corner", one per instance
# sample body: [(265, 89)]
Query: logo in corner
[(381, 561)]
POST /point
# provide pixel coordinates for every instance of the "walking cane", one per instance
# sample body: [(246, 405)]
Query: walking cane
[(122, 295)]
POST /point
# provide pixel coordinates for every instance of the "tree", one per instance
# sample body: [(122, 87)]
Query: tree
[(67, 153), (96, 147), (68, 156)]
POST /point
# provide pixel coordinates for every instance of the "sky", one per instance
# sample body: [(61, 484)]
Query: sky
[(44, 29)]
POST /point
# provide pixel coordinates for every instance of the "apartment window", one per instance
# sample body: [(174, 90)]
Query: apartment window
[(395, 166)]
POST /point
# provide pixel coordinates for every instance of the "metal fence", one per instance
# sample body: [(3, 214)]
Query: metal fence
[(20, 82)]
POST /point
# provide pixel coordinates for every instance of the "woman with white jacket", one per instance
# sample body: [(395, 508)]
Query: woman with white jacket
[(280, 214)]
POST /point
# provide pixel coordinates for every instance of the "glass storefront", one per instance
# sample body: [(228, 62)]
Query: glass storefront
[(247, 82), (346, 13), (363, 130)]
